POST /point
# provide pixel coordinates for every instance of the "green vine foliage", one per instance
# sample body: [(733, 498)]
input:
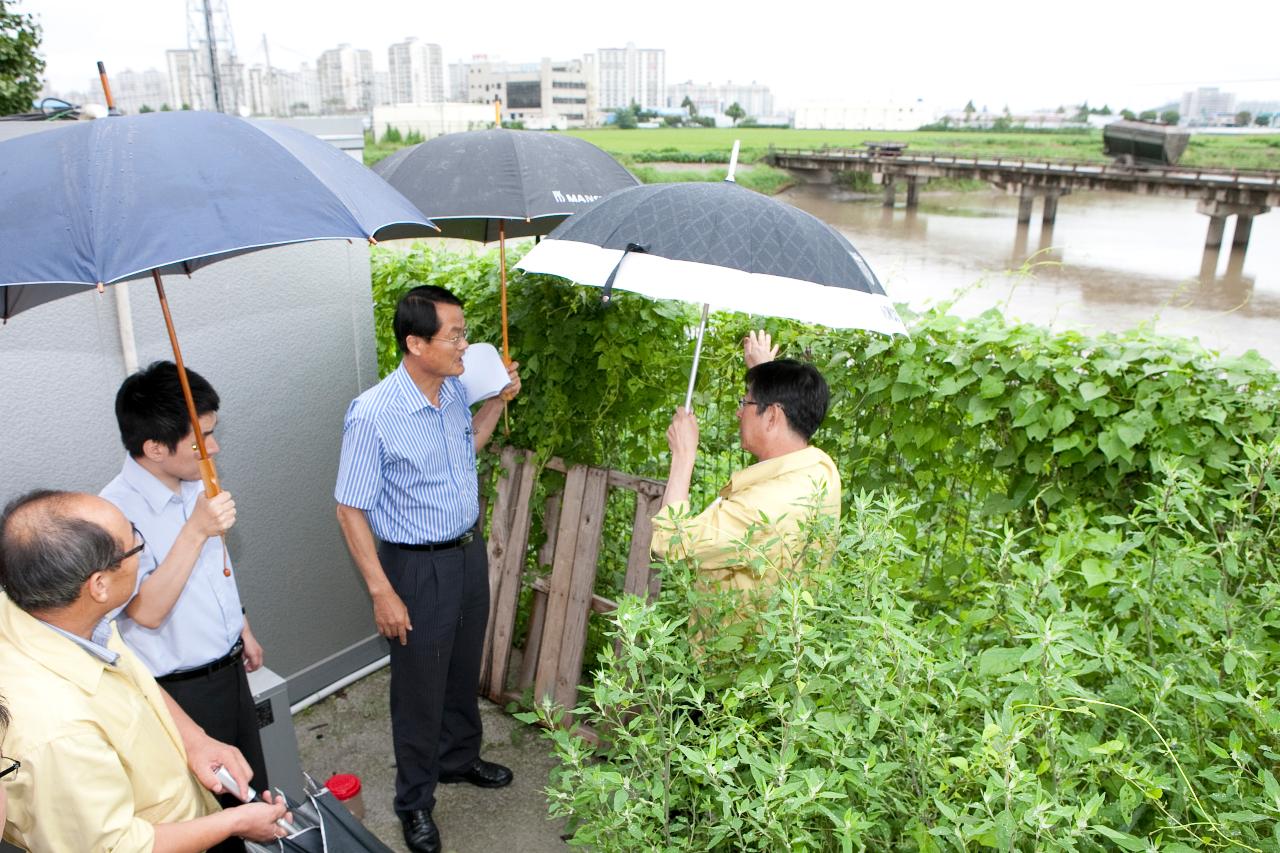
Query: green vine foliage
[(1051, 624)]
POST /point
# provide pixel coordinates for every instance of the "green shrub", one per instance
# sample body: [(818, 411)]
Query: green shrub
[(1052, 623)]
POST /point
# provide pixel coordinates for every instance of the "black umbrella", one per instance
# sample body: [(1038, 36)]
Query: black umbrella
[(721, 245), (489, 185)]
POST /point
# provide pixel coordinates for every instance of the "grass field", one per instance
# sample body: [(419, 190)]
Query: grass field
[(713, 145)]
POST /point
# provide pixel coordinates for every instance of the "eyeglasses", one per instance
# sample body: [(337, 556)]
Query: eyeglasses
[(743, 402), (10, 768), (455, 340), (135, 550)]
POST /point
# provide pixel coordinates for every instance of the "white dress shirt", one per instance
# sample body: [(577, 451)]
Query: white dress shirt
[(206, 620)]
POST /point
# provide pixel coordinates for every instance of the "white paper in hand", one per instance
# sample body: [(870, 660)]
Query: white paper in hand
[(483, 375)]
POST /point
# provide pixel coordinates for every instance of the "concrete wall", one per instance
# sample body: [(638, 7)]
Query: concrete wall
[(286, 337)]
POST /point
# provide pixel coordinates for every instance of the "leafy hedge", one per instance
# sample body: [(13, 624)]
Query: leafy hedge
[(1052, 622)]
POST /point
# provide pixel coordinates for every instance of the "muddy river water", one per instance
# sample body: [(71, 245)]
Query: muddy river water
[(1113, 261)]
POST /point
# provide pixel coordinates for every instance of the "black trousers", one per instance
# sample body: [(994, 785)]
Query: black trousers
[(222, 705), (435, 714)]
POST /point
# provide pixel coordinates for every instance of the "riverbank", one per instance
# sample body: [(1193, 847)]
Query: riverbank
[(713, 145)]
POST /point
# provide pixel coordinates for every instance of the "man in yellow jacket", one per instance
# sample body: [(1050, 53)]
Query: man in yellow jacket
[(107, 761), (763, 515)]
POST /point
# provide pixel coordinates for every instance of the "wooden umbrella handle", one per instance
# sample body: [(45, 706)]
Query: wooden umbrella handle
[(207, 471)]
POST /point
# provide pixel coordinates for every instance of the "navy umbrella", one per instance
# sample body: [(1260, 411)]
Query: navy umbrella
[(489, 185), (128, 197), (722, 245)]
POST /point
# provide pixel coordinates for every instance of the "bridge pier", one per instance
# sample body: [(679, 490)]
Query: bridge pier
[(1050, 215), (913, 192), (890, 190), (1218, 211), (1024, 207)]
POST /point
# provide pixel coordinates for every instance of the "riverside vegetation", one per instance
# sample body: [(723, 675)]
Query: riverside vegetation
[(1051, 623)]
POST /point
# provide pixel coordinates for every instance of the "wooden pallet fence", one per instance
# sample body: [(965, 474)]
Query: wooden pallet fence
[(574, 521)]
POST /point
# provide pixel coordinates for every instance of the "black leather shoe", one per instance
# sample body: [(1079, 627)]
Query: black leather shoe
[(481, 773), (420, 833)]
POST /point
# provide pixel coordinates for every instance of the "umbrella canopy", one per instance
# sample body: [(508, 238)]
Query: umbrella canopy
[(527, 182), (109, 200), (721, 244)]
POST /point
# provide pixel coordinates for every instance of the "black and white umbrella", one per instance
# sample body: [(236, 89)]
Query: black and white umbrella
[(489, 185), (724, 246)]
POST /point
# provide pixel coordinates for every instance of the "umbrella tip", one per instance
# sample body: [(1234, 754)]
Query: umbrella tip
[(372, 240), (101, 289)]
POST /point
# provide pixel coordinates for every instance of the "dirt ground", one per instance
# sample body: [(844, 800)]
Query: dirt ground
[(350, 732)]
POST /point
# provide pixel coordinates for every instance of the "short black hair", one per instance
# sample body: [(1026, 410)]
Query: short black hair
[(797, 387), (416, 313), (150, 406), (47, 552)]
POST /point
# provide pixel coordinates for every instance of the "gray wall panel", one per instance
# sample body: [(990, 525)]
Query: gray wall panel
[(286, 336)]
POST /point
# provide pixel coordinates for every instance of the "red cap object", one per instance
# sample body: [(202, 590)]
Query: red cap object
[(344, 786)]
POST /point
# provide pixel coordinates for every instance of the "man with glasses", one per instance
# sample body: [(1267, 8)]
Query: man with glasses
[(765, 508), (186, 621), (407, 475), (108, 761)]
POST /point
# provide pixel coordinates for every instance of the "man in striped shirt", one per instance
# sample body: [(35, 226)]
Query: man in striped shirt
[(408, 476)]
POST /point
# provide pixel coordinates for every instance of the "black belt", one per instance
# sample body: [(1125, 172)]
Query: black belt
[(231, 658), (464, 539)]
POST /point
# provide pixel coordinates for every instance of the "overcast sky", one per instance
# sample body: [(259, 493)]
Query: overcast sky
[(1023, 54)]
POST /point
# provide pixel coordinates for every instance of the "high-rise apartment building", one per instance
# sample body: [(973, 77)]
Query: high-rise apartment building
[(346, 80), (1205, 104), (187, 87), (416, 73), (276, 92), (133, 90), (632, 75)]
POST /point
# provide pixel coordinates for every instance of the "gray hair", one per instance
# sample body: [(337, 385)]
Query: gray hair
[(47, 552)]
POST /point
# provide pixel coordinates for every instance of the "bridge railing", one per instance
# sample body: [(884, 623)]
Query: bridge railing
[(1252, 179)]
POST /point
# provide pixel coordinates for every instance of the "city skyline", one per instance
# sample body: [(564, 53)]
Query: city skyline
[(1094, 54)]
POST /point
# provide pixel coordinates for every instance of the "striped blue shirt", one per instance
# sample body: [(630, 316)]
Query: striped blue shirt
[(410, 465)]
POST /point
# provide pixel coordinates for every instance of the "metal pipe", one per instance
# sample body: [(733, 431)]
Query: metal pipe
[(325, 692), (124, 319), (697, 354)]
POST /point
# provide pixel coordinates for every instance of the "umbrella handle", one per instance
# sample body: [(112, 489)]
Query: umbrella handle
[(697, 355), (207, 472)]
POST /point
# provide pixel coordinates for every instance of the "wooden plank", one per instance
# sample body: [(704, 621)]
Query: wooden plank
[(644, 485), (561, 576), (533, 643), (503, 621), (599, 604), (636, 581), (551, 524), (581, 583), (499, 533)]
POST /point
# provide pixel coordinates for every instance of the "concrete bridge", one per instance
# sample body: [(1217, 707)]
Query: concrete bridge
[(1221, 193)]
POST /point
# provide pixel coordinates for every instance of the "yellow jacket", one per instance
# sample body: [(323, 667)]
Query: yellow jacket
[(760, 513), (102, 760)]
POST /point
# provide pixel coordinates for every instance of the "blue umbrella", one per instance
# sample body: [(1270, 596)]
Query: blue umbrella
[(129, 197)]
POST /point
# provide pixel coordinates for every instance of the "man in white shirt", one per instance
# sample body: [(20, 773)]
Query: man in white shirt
[(186, 622)]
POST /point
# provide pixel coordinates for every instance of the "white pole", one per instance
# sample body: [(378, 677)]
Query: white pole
[(697, 354), (733, 161), (124, 319)]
